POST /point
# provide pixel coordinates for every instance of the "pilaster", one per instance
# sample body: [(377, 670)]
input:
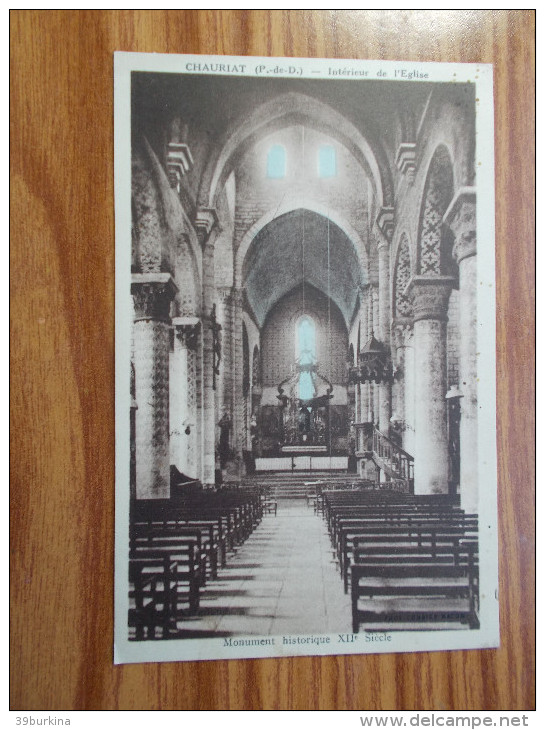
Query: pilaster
[(364, 337), (206, 225), (182, 394), (237, 298), (383, 248), (461, 218), (403, 387)]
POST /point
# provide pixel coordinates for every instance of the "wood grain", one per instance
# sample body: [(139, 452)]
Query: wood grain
[(62, 363)]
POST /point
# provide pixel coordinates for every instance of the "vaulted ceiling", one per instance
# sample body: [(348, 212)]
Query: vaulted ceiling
[(294, 247)]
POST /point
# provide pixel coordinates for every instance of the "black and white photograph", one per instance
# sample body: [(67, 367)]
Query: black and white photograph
[(305, 357)]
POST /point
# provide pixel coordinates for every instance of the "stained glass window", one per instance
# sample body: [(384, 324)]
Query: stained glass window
[(327, 164), (306, 355), (276, 162)]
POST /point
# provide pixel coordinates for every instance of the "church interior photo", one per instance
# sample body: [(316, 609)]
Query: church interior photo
[(304, 390)]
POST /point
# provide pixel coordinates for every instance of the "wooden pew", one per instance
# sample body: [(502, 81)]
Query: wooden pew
[(427, 530), (164, 585), (424, 596), (175, 545), (171, 518), (400, 519), (237, 513), (151, 597), (143, 535)]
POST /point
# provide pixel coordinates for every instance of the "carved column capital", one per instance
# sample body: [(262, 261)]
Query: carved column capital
[(179, 163), (430, 295), (152, 294), (461, 219), (206, 219), (406, 160), (386, 223), (186, 330)]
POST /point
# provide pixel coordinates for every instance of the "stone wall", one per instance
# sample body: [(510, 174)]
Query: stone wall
[(279, 337), (257, 194)]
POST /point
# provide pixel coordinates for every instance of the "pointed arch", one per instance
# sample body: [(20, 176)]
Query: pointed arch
[(148, 219), (433, 242), (285, 110), (163, 237), (289, 206), (300, 247)]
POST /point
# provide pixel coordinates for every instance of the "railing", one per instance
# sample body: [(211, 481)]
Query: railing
[(398, 462)]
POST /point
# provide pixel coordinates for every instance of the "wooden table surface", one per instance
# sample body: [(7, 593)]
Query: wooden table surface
[(62, 363)]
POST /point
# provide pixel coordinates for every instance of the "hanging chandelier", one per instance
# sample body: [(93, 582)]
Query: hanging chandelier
[(374, 364)]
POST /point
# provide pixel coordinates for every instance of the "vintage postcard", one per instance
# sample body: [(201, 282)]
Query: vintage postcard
[(305, 357)]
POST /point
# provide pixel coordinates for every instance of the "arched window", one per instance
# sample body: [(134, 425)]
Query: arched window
[(276, 162), (306, 356), (327, 163)]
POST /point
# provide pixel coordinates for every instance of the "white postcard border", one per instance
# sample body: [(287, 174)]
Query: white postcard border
[(206, 649)]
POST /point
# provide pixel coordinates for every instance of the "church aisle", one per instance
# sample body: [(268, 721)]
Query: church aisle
[(283, 580)]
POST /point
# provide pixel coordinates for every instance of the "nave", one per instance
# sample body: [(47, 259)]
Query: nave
[(283, 580), (243, 562), (304, 299)]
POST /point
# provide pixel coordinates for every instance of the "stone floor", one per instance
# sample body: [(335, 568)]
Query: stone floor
[(282, 580)]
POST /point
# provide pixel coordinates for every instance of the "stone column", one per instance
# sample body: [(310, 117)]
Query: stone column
[(195, 399), (374, 328), (182, 416), (409, 394), (398, 356), (402, 333), (364, 329), (430, 303), (385, 392), (205, 223), (152, 294), (238, 367), (460, 217), (224, 384)]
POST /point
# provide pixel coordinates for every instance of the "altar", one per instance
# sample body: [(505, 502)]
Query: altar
[(299, 463), (303, 449)]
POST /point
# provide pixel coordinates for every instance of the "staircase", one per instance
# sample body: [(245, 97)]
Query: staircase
[(299, 485), (395, 463)]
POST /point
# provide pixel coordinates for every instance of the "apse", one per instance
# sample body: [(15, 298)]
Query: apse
[(301, 246)]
